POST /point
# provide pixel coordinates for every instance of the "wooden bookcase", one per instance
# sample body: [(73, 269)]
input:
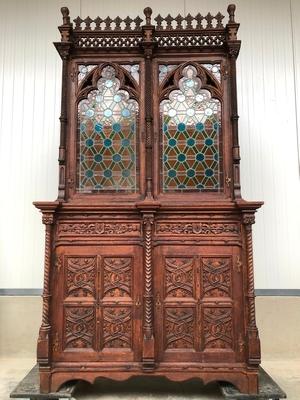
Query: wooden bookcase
[(148, 249)]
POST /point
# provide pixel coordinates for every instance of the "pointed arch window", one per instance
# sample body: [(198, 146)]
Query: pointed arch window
[(191, 122), (107, 144)]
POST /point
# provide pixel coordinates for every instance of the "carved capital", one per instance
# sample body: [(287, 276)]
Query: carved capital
[(248, 220), (148, 220), (64, 49), (233, 47), (47, 218)]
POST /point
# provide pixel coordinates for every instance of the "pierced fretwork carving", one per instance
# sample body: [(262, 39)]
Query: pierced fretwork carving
[(189, 22), (179, 328), (117, 327), (216, 277), (80, 276), (179, 277), (107, 24), (217, 327), (117, 277), (79, 327)]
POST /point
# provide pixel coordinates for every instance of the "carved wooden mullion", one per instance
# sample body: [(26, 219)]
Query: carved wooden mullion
[(63, 128), (148, 45), (234, 122), (148, 289)]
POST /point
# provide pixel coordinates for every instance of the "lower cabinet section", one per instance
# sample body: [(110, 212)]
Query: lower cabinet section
[(99, 307)]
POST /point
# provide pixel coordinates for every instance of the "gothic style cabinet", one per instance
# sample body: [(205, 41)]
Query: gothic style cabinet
[(148, 259)]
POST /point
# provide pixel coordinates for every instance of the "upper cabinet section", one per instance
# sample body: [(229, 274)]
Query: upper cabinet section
[(149, 110)]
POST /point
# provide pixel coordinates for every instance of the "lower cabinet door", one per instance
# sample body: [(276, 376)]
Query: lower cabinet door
[(198, 304), (97, 303)]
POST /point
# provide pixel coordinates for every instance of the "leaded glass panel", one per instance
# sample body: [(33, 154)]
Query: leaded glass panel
[(163, 70), (134, 71), (83, 70), (107, 137), (215, 69), (191, 121)]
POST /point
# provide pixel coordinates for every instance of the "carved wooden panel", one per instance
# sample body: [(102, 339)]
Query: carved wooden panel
[(217, 328), (179, 328), (117, 276), (79, 327), (197, 228), (80, 276), (179, 276), (117, 327), (216, 277), (98, 228)]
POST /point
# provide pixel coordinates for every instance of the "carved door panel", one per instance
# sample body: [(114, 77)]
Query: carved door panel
[(101, 303), (198, 303)]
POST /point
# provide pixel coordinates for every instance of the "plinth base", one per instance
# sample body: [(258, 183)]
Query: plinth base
[(29, 388), (268, 389)]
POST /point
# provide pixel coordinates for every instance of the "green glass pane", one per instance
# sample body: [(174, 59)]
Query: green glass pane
[(191, 121), (107, 138)]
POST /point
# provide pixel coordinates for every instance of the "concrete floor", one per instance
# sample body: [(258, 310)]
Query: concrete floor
[(278, 319)]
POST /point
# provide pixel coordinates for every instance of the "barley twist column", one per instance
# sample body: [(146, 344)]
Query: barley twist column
[(253, 338), (43, 341)]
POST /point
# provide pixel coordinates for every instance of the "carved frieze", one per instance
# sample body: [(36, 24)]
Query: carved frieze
[(197, 228), (98, 228)]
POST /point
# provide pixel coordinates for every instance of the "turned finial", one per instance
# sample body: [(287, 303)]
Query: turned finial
[(148, 13), (65, 13), (231, 10)]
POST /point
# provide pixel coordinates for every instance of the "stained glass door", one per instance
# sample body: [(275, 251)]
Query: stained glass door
[(108, 128), (189, 117)]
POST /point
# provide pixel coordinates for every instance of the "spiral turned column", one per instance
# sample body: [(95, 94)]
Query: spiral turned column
[(253, 338), (43, 341)]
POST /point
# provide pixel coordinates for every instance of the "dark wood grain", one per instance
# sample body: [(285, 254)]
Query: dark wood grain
[(151, 282)]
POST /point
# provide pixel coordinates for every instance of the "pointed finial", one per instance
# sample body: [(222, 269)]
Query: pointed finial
[(231, 10), (65, 13), (148, 13)]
